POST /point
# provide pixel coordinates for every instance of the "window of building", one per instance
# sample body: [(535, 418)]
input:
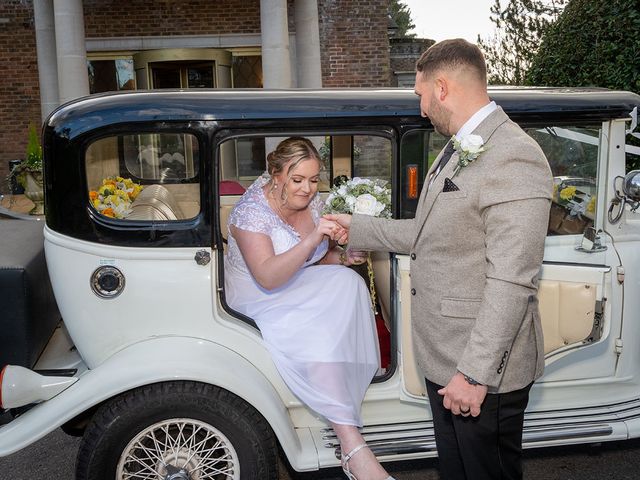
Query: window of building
[(111, 75), (247, 71), (144, 176)]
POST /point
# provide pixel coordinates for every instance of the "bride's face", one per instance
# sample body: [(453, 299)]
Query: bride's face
[(302, 183)]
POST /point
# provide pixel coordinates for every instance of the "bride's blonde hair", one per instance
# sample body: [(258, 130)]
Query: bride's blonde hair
[(293, 150)]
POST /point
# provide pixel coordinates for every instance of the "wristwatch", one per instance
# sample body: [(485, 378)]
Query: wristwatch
[(470, 380)]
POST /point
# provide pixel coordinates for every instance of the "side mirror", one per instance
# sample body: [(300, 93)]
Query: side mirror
[(630, 194), (631, 186)]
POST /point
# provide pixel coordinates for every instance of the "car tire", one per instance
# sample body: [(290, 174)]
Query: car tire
[(156, 430)]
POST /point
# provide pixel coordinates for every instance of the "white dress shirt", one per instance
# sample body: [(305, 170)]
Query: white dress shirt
[(475, 120)]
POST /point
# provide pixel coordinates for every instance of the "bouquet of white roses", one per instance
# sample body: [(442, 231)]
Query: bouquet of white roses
[(366, 197), (360, 195)]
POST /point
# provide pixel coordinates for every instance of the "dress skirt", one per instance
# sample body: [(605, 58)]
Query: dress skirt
[(320, 331)]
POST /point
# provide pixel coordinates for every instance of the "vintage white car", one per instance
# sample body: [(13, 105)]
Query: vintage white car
[(164, 381)]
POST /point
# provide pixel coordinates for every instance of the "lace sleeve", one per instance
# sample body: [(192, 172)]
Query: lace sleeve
[(251, 217)]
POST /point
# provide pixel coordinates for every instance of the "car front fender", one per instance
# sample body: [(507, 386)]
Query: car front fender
[(161, 359)]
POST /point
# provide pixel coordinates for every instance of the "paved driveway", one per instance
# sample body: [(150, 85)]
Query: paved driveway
[(53, 457)]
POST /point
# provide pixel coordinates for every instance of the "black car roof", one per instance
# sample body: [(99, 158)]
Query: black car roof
[(78, 116)]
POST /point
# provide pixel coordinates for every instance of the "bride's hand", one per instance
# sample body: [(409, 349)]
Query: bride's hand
[(325, 227)]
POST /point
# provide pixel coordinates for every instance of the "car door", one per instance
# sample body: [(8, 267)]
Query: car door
[(579, 297)]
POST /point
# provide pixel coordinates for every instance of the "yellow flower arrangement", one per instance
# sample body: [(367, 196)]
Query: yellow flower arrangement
[(591, 206), (567, 193), (113, 198)]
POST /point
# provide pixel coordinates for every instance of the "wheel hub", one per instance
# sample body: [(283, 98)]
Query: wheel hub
[(167, 465), (175, 473)]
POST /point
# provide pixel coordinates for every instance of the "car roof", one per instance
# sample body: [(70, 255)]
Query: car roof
[(543, 103)]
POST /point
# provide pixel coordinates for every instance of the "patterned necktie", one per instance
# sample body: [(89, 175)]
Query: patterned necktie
[(444, 159)]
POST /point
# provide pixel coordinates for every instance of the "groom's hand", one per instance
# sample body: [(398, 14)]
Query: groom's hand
[(461, 397), (344, 220)]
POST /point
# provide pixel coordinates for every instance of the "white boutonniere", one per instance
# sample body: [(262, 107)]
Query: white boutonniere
[(469, 149)]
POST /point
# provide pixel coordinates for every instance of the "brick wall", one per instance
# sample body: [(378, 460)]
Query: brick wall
[(19, 92), (353, 39), (170, 17), (355, 45)]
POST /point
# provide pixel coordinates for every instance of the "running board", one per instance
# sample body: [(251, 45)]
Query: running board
[(557, 427)]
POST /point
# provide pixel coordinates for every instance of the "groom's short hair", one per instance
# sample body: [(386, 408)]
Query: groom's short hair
[(453, 54)]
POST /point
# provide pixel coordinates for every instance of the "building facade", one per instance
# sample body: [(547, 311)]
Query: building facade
[(52, 51)]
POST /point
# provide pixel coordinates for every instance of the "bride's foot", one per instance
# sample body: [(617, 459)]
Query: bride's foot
[(365, 464)]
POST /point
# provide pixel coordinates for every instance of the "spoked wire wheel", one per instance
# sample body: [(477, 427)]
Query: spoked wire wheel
[(179, 430), (179, 449)]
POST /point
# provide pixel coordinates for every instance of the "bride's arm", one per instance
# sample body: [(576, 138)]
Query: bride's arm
[(271, 270)]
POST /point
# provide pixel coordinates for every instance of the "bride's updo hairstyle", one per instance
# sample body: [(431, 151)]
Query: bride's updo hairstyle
[(290, 153)]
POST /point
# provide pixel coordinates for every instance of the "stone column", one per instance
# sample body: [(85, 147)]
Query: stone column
[(307, 44), (46, 52), (73, 80), (276, 58)]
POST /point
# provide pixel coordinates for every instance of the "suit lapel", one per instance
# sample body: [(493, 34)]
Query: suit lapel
[(432, 191), (430, 194)]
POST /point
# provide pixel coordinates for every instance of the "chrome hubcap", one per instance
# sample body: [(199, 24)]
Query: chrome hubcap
[(179, 449)]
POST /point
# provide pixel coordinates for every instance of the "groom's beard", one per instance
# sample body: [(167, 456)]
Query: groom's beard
[(439, 117)]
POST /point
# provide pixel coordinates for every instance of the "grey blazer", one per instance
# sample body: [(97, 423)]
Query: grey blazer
[(475, 258)]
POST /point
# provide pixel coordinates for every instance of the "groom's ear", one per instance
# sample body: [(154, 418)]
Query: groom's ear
[(441, 87)]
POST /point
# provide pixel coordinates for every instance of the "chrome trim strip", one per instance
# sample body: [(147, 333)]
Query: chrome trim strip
[(539, 427)]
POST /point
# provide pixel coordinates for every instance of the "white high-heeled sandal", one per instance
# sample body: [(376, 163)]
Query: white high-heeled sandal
[(345, 462)]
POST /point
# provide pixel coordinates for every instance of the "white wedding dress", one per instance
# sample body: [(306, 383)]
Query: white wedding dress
[(318, 327)]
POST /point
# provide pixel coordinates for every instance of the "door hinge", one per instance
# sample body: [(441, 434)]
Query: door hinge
[(618, 347), (620, 273)]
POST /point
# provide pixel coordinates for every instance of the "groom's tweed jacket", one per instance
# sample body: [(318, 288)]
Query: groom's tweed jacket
[(475, 258)]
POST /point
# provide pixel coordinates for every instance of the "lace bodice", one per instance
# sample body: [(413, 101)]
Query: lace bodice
[(253, 213)]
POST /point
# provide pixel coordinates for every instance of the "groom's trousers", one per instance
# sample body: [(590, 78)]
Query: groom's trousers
[(486, 447)]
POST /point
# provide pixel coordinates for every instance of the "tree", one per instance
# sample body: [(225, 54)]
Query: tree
[(401, 15), (519, 28), (593, 43)]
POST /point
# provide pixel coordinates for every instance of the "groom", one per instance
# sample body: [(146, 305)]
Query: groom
[(476, 246)]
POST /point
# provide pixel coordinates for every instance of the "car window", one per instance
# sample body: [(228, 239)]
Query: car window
[(243, 159), (572, 153), (418, 150), (143, 176)]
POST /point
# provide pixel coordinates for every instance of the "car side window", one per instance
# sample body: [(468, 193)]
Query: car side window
[(144, 176), (573, 154), (243, 159), (418, 150)]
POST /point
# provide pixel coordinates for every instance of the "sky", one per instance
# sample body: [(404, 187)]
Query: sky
[(438, 20)]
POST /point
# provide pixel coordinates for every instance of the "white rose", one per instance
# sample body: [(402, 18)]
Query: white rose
[(342, 190), (472, 144), (366, 204)]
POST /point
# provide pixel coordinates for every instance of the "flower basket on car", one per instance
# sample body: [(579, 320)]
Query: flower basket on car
[(572, 209)]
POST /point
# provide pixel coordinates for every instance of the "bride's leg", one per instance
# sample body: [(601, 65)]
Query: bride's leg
[(364, 465)]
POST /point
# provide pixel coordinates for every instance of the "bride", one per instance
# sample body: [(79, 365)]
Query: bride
[(315, 315)]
